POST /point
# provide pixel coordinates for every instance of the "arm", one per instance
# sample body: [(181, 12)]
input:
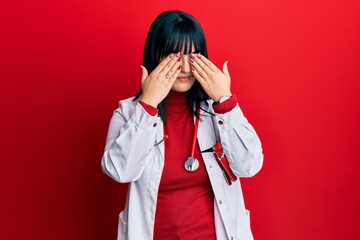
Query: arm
[(130, 139), (239, 140), (132, 133)]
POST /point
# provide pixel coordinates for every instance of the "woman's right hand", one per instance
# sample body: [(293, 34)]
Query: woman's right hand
[(157, 85)]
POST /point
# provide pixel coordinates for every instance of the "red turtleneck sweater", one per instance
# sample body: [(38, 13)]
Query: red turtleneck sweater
[(185, 205)]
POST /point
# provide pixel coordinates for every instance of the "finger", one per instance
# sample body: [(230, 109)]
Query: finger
[(202, 65), (144, 73), (225, 69), (199, 70), (173, 69), (175, 59), (198, 76), (174, 76), (163, 63), (206, 61)]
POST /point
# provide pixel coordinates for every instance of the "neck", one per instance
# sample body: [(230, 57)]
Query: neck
[(177, 98)]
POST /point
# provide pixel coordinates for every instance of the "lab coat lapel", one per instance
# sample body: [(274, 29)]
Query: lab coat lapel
[(160, 138), (206, 137)]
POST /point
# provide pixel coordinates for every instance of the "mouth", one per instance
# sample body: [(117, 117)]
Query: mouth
[(184, 78)]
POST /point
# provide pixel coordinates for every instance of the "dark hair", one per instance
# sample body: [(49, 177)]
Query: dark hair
[(171, 32)]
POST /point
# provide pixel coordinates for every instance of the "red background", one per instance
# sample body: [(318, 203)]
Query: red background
[(65, 64)]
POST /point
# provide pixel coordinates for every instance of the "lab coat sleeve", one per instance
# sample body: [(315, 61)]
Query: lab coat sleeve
[(130, 138), (240, 142)]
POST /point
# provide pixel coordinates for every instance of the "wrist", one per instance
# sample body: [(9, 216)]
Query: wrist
[(222, 98), (148, 102)]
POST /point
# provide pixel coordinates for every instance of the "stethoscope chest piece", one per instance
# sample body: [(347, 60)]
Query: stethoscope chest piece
[(191, 164)]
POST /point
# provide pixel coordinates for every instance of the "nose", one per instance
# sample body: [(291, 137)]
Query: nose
[(185, 64)]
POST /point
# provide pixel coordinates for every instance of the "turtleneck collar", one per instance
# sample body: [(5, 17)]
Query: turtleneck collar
[(177, 98)]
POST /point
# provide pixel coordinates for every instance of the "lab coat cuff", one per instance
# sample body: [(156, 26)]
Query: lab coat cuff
[(149, 109), (225, 106), (143, 119)]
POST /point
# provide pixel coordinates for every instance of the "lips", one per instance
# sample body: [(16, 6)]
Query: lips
[(184, 78)]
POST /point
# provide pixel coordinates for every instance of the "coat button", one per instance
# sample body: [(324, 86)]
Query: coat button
[(220, 202), (220, 122), (155, 124), (231, 238)]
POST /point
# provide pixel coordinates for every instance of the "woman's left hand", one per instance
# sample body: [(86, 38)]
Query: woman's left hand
[(215, 82)]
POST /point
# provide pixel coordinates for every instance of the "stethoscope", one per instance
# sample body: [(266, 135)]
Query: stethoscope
[(191, 164)]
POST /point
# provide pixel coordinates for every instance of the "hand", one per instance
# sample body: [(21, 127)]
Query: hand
[(215, 82), (157, 85)]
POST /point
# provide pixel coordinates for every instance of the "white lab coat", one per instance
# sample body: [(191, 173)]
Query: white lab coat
[(132, 155)]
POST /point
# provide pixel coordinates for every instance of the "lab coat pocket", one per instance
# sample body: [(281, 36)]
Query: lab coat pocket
[(122, 228), (244, 226)]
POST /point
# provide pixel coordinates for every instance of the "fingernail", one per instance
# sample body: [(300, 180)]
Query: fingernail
[(192, 55), (227, 62), (179, 59), (171, 55), (140, 67), (179, 67), (192, 68), (199, 55), (178, 54), (191, 59)]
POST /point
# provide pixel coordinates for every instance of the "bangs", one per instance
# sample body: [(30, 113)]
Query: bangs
[(180, 38)]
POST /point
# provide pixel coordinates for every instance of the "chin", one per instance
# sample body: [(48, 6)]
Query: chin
[(180, 89)]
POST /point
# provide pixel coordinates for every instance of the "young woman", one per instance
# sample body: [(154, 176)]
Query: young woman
[(159, 141)]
